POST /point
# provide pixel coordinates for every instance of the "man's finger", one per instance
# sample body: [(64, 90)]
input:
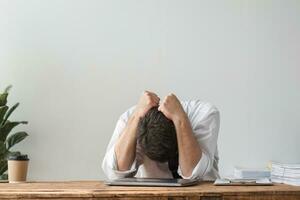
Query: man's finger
[(152, 93), (156, 99)]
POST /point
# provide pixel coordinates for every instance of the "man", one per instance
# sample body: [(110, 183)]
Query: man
[(171, 139)]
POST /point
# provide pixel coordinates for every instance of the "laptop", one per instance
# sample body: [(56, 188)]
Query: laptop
[(152, 182)]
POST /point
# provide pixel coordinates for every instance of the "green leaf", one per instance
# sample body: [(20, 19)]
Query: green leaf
[(12, 153), (6, 90), (3, 166), (15, 138), (3, 110), (9, 112), (3, 161), (4, 177), (7, 127), (3, 99), (2, 150)]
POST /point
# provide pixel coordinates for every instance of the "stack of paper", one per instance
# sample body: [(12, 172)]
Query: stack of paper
[(247, 173), (286, 173), (228, 181)]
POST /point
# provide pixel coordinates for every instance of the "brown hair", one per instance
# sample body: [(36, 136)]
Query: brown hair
[(157, 136)]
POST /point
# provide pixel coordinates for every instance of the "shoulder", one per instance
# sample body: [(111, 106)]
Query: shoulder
[(198, 105), (125, 116), (199, 109)]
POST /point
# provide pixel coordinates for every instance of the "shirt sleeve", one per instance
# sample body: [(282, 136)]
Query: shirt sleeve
[(109, 163), (206, 132)]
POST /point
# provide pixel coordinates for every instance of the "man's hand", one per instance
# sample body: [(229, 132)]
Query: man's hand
[(147, 101), (171, 108), (125, 147), (189, 151)]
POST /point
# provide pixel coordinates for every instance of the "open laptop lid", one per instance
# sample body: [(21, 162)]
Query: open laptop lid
[(152, 182)]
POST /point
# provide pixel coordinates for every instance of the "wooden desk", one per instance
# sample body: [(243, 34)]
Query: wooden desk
[(97, 190)]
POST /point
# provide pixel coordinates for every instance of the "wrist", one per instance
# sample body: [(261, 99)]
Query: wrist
[(132, 125), (182, 125), (180, 118), (138, 113)]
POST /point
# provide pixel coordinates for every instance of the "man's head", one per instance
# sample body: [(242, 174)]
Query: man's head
[(157, 136)]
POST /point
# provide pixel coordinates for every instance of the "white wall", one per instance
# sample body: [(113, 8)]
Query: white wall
[(76, 65)]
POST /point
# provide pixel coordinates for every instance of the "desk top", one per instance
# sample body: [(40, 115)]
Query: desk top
[(93, 189)]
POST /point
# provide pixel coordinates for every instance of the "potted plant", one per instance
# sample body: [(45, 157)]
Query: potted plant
[(8, 140)]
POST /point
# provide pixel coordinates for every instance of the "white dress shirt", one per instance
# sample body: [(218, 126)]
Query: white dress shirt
[(205, 122)]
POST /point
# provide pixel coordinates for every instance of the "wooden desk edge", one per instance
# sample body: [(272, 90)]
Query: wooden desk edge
[(96, 189)]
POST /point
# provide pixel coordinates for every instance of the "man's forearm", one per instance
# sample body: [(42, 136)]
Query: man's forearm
[(188, 148), (126, 145)]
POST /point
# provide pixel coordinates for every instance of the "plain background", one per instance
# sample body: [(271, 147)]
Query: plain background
[(76, 65)]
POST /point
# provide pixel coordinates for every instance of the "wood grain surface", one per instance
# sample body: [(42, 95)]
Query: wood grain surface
[(98, 190)]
